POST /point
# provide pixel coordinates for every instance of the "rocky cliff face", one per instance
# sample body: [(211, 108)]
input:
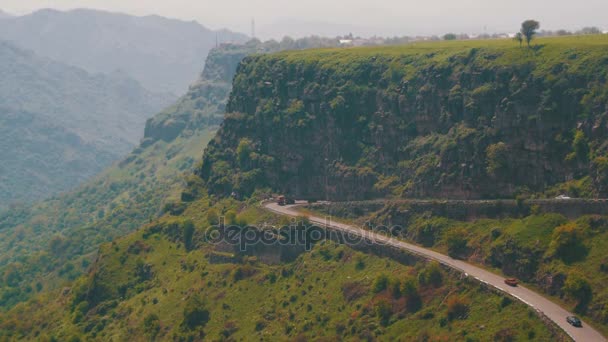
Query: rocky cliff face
[(205, 102), (415, 122)]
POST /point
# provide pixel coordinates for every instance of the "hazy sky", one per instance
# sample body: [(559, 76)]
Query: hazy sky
[(275, 18)]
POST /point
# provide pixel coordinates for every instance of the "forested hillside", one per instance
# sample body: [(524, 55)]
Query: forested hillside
[(459, 120), (145, 184), (56, 239), (428, 120), (100, 115), (164, 55), (167, 281), (39, 157)]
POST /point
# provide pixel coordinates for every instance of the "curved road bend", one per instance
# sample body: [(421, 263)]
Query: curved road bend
[(538, 302)]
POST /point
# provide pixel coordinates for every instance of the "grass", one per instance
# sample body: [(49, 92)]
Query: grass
[(436, 52), (300, 299)]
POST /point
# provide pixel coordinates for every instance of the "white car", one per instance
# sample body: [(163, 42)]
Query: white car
[(563, 197)]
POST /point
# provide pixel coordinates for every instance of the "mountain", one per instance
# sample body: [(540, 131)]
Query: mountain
[(339, 123), (484, 120), (164, 55), (469, 120), (63, 105), (145, 184)]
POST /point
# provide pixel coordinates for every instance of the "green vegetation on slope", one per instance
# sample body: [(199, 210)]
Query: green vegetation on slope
[(563, 258), (98, 113), (54, 241), (166, 282), (40, 157), (474, 119)]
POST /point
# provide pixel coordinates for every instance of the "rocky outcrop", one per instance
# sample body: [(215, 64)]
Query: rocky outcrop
[(455, 123), (204, 103)]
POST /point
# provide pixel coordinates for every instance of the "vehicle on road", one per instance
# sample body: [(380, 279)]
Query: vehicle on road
[(539, 302), (574, 321), (282, 200), (511, 282)]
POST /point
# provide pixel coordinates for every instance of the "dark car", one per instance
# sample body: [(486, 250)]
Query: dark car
[(574, 321)]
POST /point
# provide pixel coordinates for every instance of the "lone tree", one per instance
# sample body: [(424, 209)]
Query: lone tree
[(450, 36), (528, 29), (519, 38)]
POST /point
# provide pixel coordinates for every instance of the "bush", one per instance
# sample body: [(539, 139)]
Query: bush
[(243, 151), (187, 233), (431, 275), (212, 217), (381, 283), (260, 325), (409, 291), (231, 217), (195, 314), (578, 288), (151, 325), (580, 146), (384, 311), (497, 156), (567, 243), (458, 308), (457, 242)]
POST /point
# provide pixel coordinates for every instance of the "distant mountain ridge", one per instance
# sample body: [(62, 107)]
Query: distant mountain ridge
[(164, 55), (101, 116)]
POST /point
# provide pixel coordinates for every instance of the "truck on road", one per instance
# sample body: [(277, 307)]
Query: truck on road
[(282, 200)]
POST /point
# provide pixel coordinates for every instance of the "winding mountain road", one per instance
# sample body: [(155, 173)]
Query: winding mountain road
[(535, 300)]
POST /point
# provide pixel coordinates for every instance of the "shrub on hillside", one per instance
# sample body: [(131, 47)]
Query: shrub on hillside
[(457, 242), (195, 314), (380, 283), (409, 291), (431, 275), (458, 308), (578, 288), (567, 243), (212, 217), (151, 325), (384, 311)]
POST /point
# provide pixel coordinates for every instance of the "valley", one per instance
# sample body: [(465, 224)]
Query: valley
[(92, 120)]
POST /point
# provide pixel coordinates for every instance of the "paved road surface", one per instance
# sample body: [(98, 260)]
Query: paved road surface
[(553, 311)]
